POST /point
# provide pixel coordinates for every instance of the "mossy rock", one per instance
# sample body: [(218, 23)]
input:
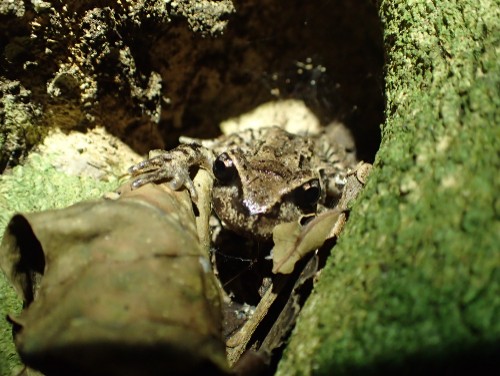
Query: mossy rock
[(413, 285)]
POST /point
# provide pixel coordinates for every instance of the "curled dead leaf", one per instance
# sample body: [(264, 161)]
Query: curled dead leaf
[(293, 241), (115, 287)]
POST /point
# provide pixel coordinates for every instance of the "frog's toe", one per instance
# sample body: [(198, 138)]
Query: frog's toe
[(182, 179), (136, 169), (146, 173), (142, 180), (142, 167)]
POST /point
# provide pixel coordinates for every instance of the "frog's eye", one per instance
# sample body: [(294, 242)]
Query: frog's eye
[(224, 169), (308, 194)]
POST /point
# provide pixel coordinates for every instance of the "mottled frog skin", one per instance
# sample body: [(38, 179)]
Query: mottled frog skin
[(263, 177)]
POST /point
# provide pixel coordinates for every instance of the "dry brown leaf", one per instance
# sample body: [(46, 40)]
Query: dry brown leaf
[(293, 241), (115, 287)]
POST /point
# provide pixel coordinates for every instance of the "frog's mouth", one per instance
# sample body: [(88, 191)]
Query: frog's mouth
[(237, 216)]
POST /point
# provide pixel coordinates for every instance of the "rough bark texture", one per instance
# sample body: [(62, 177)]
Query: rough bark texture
[(75, 64), (413, 284)]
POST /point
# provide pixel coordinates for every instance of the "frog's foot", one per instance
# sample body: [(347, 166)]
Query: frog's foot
[(170, 166)]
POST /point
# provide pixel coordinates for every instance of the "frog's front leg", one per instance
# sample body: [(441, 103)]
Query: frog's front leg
[(173, 166)]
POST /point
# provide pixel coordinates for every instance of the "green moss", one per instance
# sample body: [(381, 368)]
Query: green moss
[(414, 281), (33, 187), (10, 304)]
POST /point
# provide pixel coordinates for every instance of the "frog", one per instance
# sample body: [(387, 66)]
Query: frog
[(262, 177)]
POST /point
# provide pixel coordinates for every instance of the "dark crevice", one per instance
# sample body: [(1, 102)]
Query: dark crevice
[(258, 59)]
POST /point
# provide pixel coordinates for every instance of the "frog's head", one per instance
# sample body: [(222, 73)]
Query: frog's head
[(252, 195)]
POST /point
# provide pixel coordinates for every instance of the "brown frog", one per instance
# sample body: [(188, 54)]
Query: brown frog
[(263, 177)]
